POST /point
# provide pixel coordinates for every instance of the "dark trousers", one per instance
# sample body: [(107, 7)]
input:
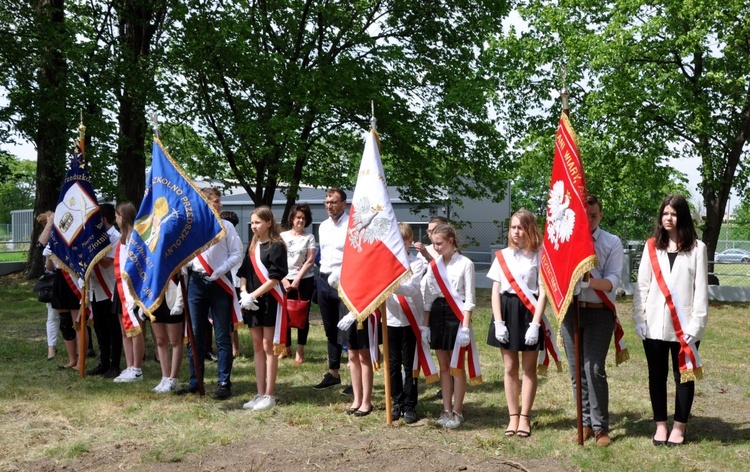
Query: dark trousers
[(597, 326), (401, 346), (108, 333), (205, 296), (657, 357), (331, 308)]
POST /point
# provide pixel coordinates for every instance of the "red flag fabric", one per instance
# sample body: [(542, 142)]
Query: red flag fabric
[(568, 250), (374, 260)]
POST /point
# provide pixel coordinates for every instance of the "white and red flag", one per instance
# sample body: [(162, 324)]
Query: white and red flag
[(568, 250), (374, 261)]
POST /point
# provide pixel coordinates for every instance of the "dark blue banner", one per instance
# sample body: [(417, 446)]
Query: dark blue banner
[(79, 238)]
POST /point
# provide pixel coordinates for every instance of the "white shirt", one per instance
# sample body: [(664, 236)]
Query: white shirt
[(224, 255), (522, 265), (460, 272), (609, 255), (410, 289), (332, 240), (97, 292), (297, 248)]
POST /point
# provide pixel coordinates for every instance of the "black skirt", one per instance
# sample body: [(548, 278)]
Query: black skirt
[(517, 319), (354, 338), (264, 316), (443, 326), (63, 297), (163, 315)]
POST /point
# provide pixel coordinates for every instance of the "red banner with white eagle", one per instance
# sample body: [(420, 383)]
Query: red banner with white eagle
[(568, 250), (374, 260)]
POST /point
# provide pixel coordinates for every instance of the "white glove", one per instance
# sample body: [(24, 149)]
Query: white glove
[(140, 314), (688, 338), (463, 338), (80, 283), (640, 330), (501, 332), (424, 331), (333, 280), (532, 334), (580, 286), (176, 310), (248, 302), (346, 322), (215, 275)]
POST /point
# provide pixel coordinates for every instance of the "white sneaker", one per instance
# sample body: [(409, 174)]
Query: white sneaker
[(265, 403), (455, 421), (171, 385), (161, 388), (445, 416), (249, 405), (131, 374), (124, 374)]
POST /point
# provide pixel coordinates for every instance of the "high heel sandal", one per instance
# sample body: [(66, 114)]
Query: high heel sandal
[(521, 433), (511, 432)]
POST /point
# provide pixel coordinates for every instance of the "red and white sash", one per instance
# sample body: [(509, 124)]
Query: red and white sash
[(691, 367), (279, 330), (457, 306), (103, 281), (621, 350), (422, 356), (227, 286), (373, 334), (529, 301), (130, 322), (80, 296)]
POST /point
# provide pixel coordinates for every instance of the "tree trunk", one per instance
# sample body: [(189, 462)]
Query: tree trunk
[(138, 24), (51, 136)]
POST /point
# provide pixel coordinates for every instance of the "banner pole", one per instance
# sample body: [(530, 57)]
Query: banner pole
[(191, 335), (83, 343), (386, 364)]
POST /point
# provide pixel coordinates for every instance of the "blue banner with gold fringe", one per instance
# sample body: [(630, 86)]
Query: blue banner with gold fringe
[(174, 223)]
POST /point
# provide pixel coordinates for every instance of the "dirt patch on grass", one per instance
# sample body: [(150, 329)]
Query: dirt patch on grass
[(394, 449)]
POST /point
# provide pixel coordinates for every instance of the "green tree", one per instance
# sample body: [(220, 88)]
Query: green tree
[(650, 81), (17, 185), (282, 89)]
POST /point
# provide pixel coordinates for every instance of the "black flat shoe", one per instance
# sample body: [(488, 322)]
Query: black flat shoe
[(675, 444), (360, 413), (351, 411), (658, 443)]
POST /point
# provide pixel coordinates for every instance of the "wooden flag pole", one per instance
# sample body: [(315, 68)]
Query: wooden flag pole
[(386, 364), (83, 343), (577, 341), (82, 348)]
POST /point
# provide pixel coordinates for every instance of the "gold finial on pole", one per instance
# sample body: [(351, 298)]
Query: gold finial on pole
[(81, 128), (373, 121), (155, 122), (564, 93)]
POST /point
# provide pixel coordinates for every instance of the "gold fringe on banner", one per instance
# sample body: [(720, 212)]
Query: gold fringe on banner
[(475, 381), (622, 356)]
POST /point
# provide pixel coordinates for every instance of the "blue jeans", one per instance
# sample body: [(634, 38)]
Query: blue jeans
[(202, 297)]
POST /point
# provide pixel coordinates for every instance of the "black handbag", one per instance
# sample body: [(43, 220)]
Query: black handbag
[(43, 287)]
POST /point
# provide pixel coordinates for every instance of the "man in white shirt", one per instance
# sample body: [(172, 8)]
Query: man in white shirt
[(332, 237), (597, 324), (206, 293)]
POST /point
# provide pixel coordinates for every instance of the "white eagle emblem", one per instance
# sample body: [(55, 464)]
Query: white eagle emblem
[(368, 225), (560, 219)]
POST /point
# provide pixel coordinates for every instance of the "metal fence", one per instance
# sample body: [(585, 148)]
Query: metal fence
[(726, 273)]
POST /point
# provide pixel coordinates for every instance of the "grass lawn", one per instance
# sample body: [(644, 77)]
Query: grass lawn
[(13, 256), (52, 419)]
